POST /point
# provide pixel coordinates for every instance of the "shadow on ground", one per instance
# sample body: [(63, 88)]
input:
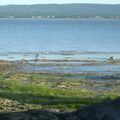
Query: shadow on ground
[(105, 110)]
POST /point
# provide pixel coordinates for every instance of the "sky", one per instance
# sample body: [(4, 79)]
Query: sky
[(6, 2)]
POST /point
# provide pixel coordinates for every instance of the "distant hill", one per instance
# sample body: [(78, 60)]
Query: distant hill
[(60, 11)]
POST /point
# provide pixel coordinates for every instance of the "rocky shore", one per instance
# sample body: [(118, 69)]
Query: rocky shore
[(106, 110), (50, 95)]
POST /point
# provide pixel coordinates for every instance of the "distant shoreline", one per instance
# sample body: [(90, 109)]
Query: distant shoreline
[(42, 11), (64, 18)]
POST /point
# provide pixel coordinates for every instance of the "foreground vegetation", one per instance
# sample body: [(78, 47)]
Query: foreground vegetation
[(56, 91)]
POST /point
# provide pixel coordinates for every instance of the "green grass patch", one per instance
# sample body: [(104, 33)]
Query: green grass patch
[(32, 91)]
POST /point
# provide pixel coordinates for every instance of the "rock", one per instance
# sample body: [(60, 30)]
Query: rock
[(10, 105), (53, 110), (101, 111), (111, 58), (29, 115)]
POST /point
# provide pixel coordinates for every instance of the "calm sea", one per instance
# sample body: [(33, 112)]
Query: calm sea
[(65, 44), (33, 35)]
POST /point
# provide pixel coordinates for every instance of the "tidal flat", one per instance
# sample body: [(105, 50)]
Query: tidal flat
[(58, 85)]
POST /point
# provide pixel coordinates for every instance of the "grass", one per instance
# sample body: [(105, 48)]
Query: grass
[(49, 95)]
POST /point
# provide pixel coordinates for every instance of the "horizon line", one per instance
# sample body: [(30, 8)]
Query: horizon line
[(62, 4)]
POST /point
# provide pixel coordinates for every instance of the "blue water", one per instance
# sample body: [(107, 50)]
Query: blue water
[(106, 69), (33, 35), (62, 39)]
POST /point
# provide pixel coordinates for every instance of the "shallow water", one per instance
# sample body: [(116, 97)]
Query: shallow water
[(108, 72), (77, 68)]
